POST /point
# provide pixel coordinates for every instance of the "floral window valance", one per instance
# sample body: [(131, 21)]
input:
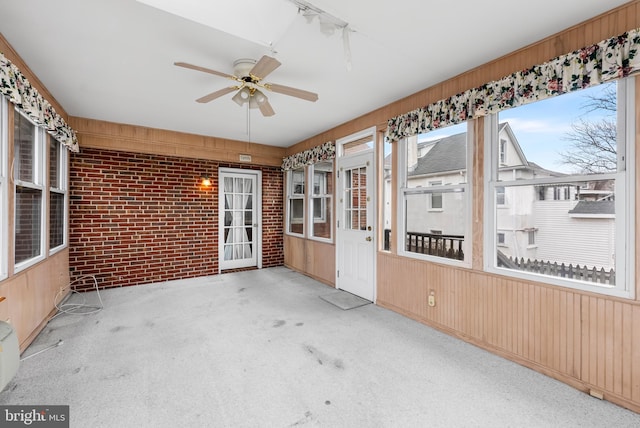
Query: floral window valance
[(15, 86), (326, 151), (610, 59)]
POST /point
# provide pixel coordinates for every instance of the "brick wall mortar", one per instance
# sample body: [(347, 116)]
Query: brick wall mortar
[(137, 219)]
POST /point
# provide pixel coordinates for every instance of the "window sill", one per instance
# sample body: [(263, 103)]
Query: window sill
[(57, 249), (563, 282), (27, 263), (319, 239), (435, 259)]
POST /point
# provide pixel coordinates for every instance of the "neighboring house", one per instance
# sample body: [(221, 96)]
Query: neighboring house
[(558, 223)]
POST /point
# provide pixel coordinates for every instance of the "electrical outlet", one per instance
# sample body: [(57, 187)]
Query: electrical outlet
[(432, 299)]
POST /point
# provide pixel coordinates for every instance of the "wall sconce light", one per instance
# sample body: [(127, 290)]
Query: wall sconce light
[(206, 181)]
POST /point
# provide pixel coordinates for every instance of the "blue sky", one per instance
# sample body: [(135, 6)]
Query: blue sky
[(541, 127)]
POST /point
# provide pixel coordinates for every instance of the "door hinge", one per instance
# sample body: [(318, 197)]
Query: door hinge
[(338, 274), (338, 224)]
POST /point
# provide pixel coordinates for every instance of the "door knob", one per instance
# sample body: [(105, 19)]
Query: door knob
[(368, 238)]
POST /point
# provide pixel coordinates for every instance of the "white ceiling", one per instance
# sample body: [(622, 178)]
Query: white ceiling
[(113, 59)]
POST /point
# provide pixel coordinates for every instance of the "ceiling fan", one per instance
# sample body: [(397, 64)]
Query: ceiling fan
[(249, 74)]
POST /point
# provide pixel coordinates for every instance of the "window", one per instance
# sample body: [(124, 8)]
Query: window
[(503, 151), (57, 194), (320, 199), (28, 177), (532, 237), (387, 166), (500, 200), (435, 200), (295, 196), (434, 217), (4, 145), (358, 146), (571, 205)]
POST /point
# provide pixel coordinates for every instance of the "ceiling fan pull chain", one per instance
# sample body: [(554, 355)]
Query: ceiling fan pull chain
[(248, 123), (347, 46)]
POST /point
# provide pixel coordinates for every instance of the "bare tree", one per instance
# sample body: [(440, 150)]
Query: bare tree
[(592, 147)]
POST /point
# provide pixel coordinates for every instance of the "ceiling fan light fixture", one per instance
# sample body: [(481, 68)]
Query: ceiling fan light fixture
[(242, 66), (257, 98), (242, 96)]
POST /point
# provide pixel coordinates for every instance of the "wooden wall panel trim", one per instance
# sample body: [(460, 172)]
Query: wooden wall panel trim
[(637, 185), (320, 261), (582, 338), (30, 295), (572, 381), (130, 138)]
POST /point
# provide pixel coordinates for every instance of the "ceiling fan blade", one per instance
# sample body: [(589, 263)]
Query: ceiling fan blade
[(287, 90), (265, 108), (205, 70), (217, 94), (265, 66)]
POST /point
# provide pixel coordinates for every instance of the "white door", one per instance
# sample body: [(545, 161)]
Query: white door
[(355, 232), (239, 196)]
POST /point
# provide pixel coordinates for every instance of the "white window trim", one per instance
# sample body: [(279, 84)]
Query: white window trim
[(625, 225), (503, 151), (63, 188), (4, 192), (39, 183), (291, 196), (326, 198), (432, 184), (401, 207)]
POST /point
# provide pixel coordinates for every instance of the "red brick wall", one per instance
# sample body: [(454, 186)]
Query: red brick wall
[(138, 218)]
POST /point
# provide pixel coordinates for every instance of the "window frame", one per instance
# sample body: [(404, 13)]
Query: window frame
[(325, 198), (436, 196), (402, 191), (39, 183), (63, 189), (4, 188), (293, 195), (503, 151), (625, 201)]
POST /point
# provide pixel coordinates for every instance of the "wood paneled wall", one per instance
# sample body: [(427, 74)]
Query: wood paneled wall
[(99, 134), (314, 258), (30, 293), (586, 340)]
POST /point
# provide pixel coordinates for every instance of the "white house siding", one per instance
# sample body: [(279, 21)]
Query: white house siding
[(514, 218), (566, 239), (449, 220)]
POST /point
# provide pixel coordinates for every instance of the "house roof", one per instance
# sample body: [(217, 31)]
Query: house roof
[(594, 207), (448, 154)]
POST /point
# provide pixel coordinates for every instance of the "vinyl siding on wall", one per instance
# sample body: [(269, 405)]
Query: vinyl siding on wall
[(567, 239)]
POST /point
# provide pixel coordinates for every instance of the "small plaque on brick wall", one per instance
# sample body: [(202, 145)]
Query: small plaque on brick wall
[(245, 158)]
